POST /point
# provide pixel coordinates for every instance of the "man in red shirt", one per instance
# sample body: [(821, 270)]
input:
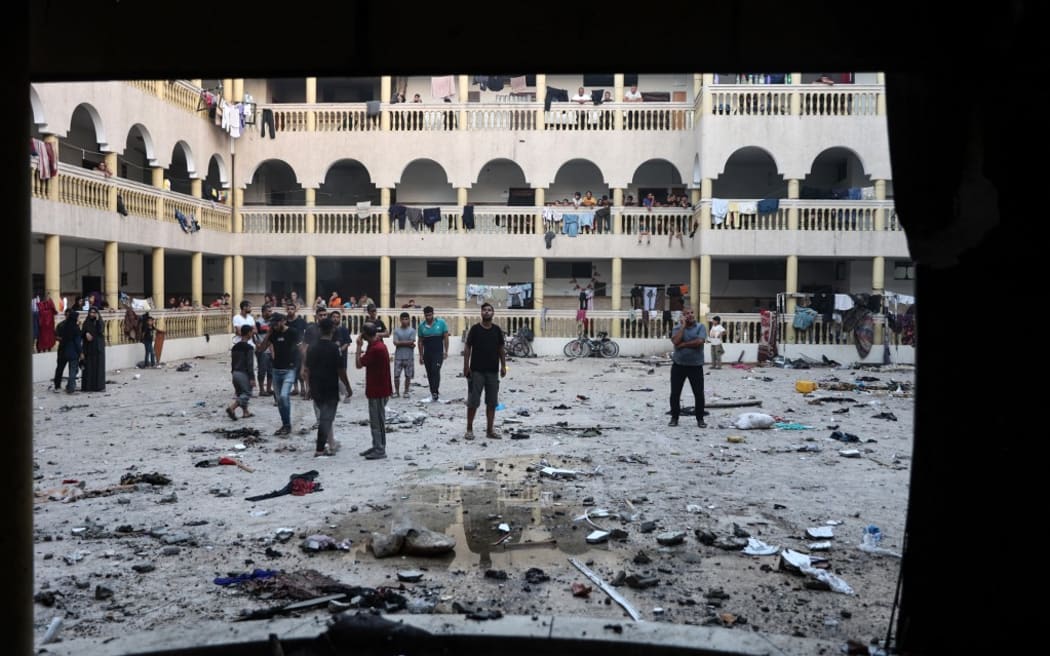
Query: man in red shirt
[(378, 388)]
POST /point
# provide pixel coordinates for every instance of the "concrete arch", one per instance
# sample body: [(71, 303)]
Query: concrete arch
[(344, 160), (187, 153), (430, 182), (147, 142), (659, 160), (346, 182), (577, 174), (37, 105), (221, 168), (746, 151), (274, 182), (96, 123), (830, 150), (503, 163), (250, 174)]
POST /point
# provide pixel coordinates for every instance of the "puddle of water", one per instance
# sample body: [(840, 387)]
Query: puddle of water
[(500, 490)]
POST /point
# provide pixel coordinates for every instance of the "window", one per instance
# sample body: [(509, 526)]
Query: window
[(903, 270), (568, 269), (447, 269), (524, 196), (771, 270)]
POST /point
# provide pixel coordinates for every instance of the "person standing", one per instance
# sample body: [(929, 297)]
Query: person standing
[(372, 317), (93, 340), (69, 348), (714, 338), (433, 348), (285, 342), (341, 337), (264, 359), (311, 333), (298, 324), (242, 370), (404, 354), (376, 363), (484, 363), (322, 367), (244, 317), (687, 362), (148, 331)]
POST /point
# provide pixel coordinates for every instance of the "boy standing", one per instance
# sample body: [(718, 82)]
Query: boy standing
[(404, 354), (242, 368), (376, 363), (714, 338)]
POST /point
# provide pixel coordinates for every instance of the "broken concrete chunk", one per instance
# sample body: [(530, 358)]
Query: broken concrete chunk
[(384, 545), (424, 542), (410, 575), (820, 532), (597, 537), (670, 538)]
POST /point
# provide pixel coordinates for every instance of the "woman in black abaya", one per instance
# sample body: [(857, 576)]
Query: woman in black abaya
[(93, 377)]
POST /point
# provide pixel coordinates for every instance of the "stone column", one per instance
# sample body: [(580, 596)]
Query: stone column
[(541, 97), (618, 97), (705, 209), (796, 94), (461, 292), (385, 88), (793, 185), (878, 287), (384, 218), (880, 213), (227, 273), (157, 180), (617, 295), (311, 218), (701, 310), (310, 293), (464, 85), (311, 98), (158, 283), (110, 160), (707, 88), (197, 288), (541, 196), (880, 103), (791, 287), (703, 296), (111, 280), (53, 183), (196, 185), (539, 271), (237, 295), (52, 269), (461, 198), (238, 90), (236, 203), (616, 215), (197, 278), (384, 281)]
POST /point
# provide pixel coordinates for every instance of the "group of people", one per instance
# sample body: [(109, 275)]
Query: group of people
[(81, 348), (293, 357)]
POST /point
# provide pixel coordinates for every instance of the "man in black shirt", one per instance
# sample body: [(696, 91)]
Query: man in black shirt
[(484, 363), (382, 332), (297, 323), (285, 342), (242, 368), (321, 367)]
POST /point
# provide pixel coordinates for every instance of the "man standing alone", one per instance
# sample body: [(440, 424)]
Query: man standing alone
[(484, 356), (321, 367), (688, 338)]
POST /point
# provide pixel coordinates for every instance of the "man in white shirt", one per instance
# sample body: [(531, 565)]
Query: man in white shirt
[(714, 338), (634, 95), (242, 318)]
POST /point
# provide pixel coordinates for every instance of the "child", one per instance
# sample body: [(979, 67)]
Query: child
[(376, 363), (242, 368)]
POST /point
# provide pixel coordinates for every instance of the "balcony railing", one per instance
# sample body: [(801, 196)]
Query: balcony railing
[(741, 328), (90, 188), (794, 100), (180, 93)]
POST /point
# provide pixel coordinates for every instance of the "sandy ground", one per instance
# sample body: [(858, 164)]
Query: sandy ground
[(117, 560)]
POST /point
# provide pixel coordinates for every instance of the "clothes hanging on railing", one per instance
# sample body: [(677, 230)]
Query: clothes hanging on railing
[(415, 217), (398, 212), (768, 206), (554, 93), (468, 217), (431, 217)]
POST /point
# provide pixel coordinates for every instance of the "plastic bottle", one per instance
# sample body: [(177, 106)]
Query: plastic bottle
[(872, 536)]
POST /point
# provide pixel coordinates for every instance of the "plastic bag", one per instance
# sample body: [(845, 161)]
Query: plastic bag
[(751, 420)]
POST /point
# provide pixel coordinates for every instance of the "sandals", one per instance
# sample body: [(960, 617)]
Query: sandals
[(230, 413)]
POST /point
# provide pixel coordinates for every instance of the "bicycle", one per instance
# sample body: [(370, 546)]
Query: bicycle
[(520, 346), (584, 346)]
